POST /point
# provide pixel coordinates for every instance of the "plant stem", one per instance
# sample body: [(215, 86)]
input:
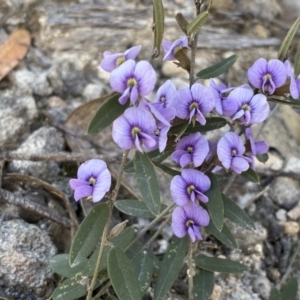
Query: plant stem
[(104, 234), (191, 271)]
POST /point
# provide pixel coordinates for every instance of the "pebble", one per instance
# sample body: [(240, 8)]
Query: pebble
[(294, 213), (262, 286), (291, 227), (281, 215)]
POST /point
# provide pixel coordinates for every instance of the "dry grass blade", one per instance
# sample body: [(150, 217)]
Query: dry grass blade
[(13, 50)]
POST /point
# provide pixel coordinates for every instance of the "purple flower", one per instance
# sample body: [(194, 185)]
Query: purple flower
[(250, 108), (134, 128), (113, 60), (191, 149), (267, 76), (230, 152), (220, 93), (293, 83), (189, 187), (194, 103), (133, 80), (171, 48), (161, 136), (187, 219), (93, 181)]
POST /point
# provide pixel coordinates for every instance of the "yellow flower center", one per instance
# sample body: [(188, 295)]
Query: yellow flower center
[(194, 105), (120, 60), (246, 107), (92, 181), (190, 149), (163, 99), (190, 189), (131, 82), (189, 223), (233, 152), (134, 131)]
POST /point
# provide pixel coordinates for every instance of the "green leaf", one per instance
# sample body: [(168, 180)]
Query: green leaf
[(133, 250), (250, 175), (194, 26), (147, 182), (211, 124), (295, 103), (143, 266), (167, 170), (182, 22), (225, 236), (215, 205), (159, 24), (275, 295), (290, 289), (297, 61), (217, 69), (134, 208), (220, 265), (124, 238), (154, 155), (203, 285), (285, 45), (122, 276), (60, 265), (88, 234), (106, 114), (262, 157), (236, 215), (68, 290), (170, 267)]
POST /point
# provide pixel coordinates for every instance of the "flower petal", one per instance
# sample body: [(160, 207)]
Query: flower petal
[(178, 189), (101, 186), (76, 183), (145, 76), (91, 168), (82, 192)]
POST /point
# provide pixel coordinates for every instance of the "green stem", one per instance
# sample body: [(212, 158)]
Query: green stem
[(104, 234)]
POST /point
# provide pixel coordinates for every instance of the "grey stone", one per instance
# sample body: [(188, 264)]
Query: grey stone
[(25, 251), (262, 286), (17, 112), (46, 139)]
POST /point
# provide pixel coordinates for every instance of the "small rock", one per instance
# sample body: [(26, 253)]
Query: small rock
[(281, 215), (294, 213), (274, 163), (216, 292), (262, 286), (25, 251), (92, 91), (169, 69), (44, 140), (291, 227)]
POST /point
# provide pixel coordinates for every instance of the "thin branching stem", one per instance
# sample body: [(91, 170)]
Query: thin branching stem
[(191, 271), (104, 234)]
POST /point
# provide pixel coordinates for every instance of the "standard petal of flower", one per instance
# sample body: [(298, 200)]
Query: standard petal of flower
[(82, 192), (119, 76), (201, 149), (198, 214), (182, 100), (108, 63), (185, 160), (261, 148), (239, 165), (141, 118), (278, 71), (121, 133), (133, 52), (224, 153), (256, 73), (178, 222), (167, 90), (259, 109), (76, 183), (204, 97), (91, 168), (101, 186), (146, 77), (178, 189), (229, 107)]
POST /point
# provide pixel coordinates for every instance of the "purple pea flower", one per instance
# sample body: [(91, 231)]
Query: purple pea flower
[(134, 128), (230, 152), (93, 180), (133, 80), (267, 76), (194, 103), (112, 60), (189, 187), (219, 92), (161, 136), (191, 149), (293, 83), (256, 148), (170, 48), (250, 108), (188, 219)]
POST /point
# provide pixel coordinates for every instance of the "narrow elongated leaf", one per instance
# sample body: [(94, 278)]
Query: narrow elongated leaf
[(122, 276), (182, 22), (290, 289), (285, 45), (133, 250), (143, 266), (203, 285), (134, 208), (123, 239), (154, 155), (236, 215), (194, 26), (220, 265), (250, 175), (217, 69), (292, 102), (159, 24), (147, 182), (225, 236), (88, 234), (167, 170), (215, 204), (297, 62), (262, 157), (60, 265), (211, 124), (106, 114), (170, 267), (68, 290)]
